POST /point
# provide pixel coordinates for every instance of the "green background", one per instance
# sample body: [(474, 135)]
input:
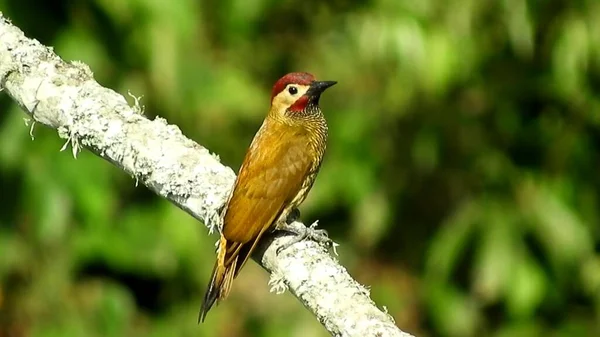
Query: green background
[(461, 177)]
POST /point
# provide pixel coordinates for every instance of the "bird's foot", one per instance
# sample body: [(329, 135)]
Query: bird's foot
[(302, 233)]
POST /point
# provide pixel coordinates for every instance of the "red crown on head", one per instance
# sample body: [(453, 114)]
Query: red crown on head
[(295, 78)]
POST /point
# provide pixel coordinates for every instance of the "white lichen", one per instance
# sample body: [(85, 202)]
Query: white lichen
[(75, 146), (277, 283), (137, 107), (31, 127)]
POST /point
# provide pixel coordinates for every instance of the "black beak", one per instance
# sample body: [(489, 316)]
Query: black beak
[(317, 87)]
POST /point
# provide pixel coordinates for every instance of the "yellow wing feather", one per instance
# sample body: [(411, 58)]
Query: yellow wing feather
[(268, 181)]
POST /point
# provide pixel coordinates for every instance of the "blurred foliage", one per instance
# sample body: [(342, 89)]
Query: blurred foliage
[(461, 177)]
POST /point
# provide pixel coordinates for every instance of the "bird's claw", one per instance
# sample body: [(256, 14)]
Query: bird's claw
[(302, 233)]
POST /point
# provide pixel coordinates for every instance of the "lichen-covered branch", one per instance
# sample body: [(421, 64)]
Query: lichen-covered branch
[(65, 97)]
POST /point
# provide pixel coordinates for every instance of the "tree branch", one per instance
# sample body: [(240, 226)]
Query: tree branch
[(65, 97)]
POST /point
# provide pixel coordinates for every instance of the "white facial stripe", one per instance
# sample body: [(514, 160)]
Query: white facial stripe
[(285, 99), (301, 90)]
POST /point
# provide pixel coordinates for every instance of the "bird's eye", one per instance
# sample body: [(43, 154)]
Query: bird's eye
[(293, 90)]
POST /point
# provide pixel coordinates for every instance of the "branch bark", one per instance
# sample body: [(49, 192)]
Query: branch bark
[(65, 97)]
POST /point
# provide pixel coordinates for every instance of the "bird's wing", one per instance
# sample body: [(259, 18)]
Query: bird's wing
[(267, 183)]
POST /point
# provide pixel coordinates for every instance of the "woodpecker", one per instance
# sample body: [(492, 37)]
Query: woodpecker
[(276, 175)]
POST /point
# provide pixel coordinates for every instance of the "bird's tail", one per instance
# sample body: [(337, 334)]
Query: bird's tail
[(220, 281), (231, 257)]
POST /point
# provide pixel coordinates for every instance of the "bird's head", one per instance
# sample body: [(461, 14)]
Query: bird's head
[(297, 94)]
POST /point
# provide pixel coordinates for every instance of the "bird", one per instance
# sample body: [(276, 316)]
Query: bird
[(277, 172)]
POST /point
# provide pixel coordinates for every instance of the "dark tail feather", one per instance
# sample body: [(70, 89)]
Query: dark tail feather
[(220, 281), (212, 293), (231, 257)]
